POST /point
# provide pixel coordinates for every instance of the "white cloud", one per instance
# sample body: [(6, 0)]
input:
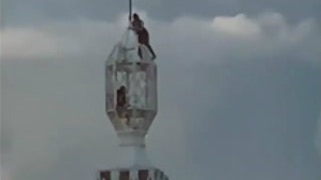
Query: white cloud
[(239, 25), (239, 35), (27, 42)]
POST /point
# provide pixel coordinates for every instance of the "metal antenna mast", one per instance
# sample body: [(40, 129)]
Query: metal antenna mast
[(130, 10)]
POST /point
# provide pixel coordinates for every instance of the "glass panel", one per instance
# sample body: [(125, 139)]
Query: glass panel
[(137, 91), (109, 88)]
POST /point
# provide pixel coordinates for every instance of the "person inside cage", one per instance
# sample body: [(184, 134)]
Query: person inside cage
[(143, 36), (122, 104), (121, 96)]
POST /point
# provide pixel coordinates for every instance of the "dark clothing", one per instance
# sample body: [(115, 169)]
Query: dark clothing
[(122, 105), (142, 33), (143, 36), (121, 97), (137, 25)]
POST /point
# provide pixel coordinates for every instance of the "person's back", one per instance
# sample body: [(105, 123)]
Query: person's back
[(137, 24)]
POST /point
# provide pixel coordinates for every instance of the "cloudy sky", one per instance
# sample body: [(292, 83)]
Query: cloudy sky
[(239, 88)]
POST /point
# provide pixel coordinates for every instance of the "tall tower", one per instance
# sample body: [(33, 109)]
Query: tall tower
[(131, 105)]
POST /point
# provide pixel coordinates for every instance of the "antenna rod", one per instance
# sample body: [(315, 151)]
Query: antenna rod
[(130, 10)]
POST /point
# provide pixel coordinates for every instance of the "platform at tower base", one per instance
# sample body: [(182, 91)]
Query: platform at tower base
[(132, 174)]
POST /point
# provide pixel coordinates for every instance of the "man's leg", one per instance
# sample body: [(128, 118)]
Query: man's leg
[(140, 53), (140, 41), (144, 39), (152, 51)]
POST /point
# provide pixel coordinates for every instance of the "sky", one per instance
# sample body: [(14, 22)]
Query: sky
[(239, 88)]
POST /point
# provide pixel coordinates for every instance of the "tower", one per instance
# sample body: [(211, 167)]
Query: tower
[(131, 105)]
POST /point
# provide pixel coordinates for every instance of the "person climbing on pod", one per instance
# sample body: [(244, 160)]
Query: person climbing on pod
[(143, 36)]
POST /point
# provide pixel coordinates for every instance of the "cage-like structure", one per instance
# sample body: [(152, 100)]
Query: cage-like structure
[(131, 85)]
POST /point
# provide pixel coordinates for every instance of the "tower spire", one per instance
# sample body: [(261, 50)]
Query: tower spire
[(131, 105)]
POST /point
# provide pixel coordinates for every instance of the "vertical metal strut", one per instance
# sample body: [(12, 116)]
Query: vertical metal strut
[(130, 10)]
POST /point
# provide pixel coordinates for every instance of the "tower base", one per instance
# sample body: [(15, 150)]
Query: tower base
[(132, 174)]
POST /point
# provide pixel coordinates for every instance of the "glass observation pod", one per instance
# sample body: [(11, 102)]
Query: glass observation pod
[(131, 85)]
